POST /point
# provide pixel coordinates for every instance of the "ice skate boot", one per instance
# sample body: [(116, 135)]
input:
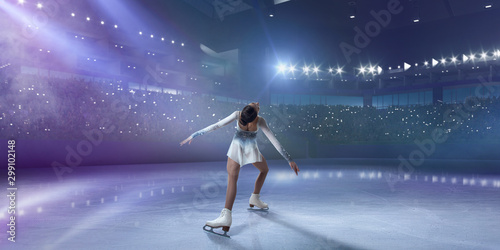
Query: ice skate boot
[(255, 201), (223, 221)]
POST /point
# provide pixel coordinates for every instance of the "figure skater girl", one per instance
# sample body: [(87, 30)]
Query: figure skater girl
[(243, 150)]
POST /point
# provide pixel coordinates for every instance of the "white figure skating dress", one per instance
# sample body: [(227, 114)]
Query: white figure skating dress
[(243, 148)]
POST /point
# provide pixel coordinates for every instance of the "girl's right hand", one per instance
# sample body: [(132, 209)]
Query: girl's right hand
[(189, 139)]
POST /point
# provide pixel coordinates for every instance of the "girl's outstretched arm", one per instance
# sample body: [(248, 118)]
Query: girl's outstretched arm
[(232, 117), (277, 145)]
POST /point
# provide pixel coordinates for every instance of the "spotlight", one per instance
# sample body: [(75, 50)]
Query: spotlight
[(426, 63), (73, 14), (339, 71), (406, 66), (372, 69), (173, 41), (362, 70), (182, 44), (483, 55), (352, 9), (443, 61), (330, 70), (281, 68), (306, 69), (88, 18), (316, 69), (102, 22), (416, 12), (140, 33), (163, 39), (434, 62), (271, 9), (116, 26), (152, 36), (291, 68), (39, 5), (488, 4), (20, 1), (453, 59)]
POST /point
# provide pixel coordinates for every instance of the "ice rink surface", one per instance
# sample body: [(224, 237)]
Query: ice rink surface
[(332, 204)]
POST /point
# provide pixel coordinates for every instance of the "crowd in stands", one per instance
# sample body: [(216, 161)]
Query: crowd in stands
[(71, 109)]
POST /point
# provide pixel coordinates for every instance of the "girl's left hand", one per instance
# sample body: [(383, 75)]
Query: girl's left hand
[(294, 167)]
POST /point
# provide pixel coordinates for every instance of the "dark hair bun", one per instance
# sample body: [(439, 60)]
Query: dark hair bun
[(248, 114)]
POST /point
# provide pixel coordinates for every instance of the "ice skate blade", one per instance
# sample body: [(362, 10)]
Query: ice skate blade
[(211, 230), (258, 209)]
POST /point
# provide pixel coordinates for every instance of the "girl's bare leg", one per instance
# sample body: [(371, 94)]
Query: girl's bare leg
[(264, 169), (233, 170)]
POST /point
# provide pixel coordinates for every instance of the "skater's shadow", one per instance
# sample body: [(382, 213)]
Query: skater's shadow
[(224, 242), (321, 240)]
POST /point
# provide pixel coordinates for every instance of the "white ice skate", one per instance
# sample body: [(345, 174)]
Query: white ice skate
[(223, 221), (255, 201)]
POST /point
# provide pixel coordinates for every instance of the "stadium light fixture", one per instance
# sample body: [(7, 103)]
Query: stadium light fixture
[(281, 68), (88, 18), (434, 62), (483, 55), (140, 33), (488, 4), (443, 61), (426, 63), (339, 70), (102, 22), (39, 5), (352, 9), (291, 68), (305, 69), (415, 11), (406, 66), (316, 69), (372, 69), (20, 2), (116, 26)]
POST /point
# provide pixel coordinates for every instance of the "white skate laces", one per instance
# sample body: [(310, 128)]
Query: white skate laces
[(223, 221), (255, 201)]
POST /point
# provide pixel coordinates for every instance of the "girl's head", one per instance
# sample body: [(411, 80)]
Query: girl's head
[(249, 113)]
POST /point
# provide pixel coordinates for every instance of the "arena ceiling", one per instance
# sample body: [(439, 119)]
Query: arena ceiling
[(315, 28), (337, 12)]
